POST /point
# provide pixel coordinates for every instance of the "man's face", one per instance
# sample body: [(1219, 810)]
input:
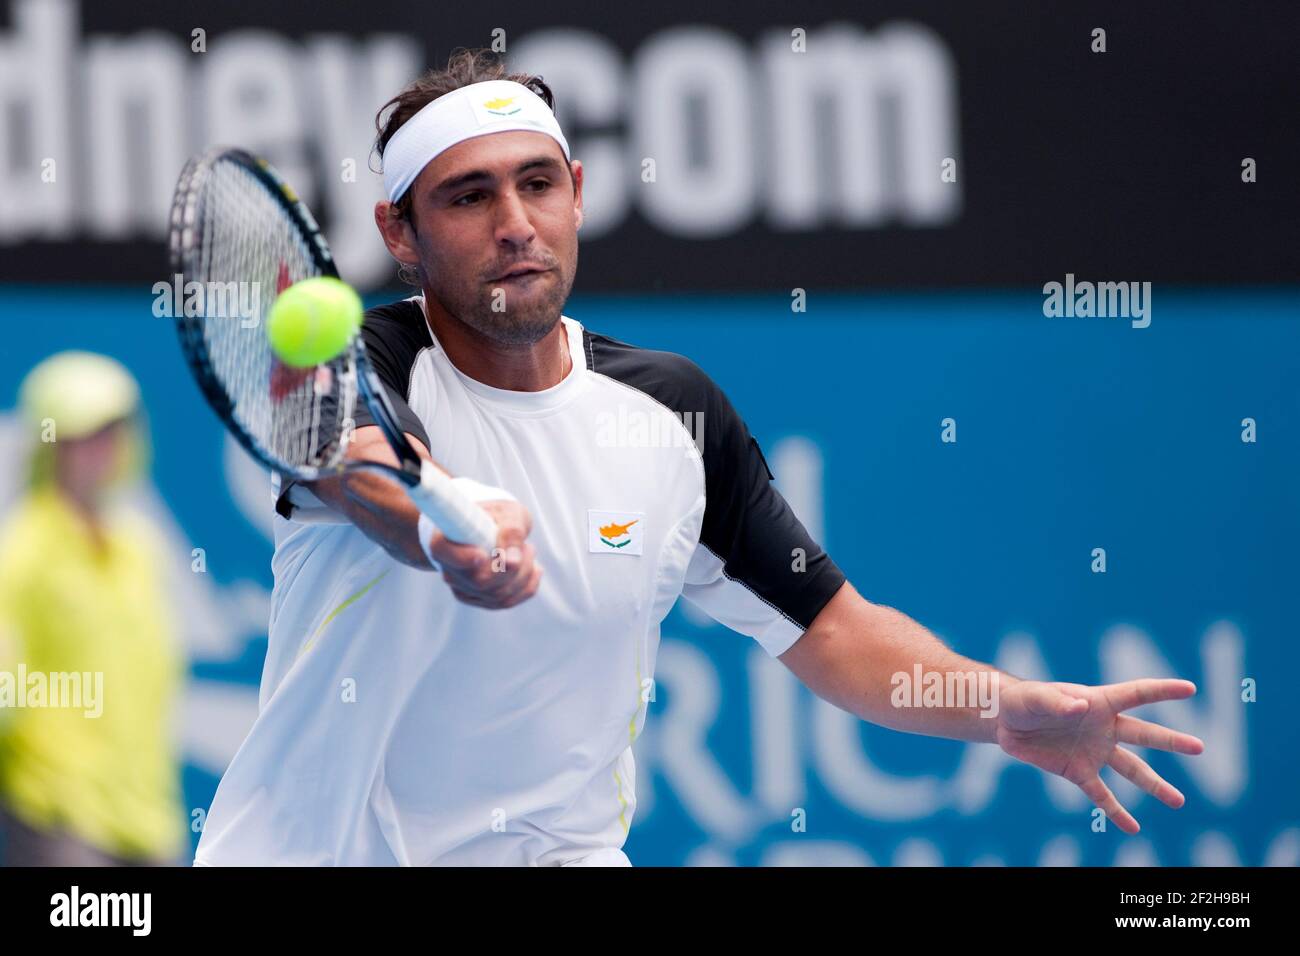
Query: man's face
[(491, 206)]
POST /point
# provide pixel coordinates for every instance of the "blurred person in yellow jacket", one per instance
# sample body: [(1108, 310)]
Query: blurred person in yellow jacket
[(89, 666)]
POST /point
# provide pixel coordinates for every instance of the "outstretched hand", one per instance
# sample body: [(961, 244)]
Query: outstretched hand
[(1074, 730)]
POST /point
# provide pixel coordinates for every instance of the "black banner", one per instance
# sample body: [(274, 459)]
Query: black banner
[(969, 906), (800, 145)]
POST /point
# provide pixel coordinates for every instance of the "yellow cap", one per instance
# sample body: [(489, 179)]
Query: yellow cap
[(79, 392)]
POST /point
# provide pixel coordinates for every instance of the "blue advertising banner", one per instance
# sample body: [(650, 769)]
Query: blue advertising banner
[(964, 457)]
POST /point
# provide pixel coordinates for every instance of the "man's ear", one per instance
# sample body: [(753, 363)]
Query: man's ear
[(576, 167), (397, 233)]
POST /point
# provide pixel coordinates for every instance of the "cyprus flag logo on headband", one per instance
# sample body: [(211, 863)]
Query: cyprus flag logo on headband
[(502, 106)]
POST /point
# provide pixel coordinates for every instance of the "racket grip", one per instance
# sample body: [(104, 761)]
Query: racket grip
[(456, 516)]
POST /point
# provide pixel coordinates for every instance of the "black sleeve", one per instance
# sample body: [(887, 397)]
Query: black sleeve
[(748, 526), (394, 336)]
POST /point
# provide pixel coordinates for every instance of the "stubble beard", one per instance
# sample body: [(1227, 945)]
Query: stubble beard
[(524, 323)]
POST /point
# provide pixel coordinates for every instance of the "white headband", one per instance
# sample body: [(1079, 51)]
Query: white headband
[(493, 106)]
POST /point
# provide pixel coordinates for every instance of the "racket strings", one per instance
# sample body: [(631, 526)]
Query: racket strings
[(247, 251)]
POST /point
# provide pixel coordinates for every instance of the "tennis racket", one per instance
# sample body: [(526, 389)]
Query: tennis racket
[(241, 233)]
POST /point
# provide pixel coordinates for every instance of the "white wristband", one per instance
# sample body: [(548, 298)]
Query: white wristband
[(426, 528), (473, 490)]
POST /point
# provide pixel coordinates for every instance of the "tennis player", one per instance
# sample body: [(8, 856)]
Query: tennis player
[(486, 714)]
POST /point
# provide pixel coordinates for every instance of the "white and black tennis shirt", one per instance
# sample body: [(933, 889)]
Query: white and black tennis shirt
[(400, 726)]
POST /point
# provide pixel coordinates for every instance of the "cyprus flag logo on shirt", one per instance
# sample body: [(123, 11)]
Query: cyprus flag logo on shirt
[(616, 532)]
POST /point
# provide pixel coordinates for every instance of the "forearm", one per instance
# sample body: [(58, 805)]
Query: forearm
[(884, 667), (380, 509)]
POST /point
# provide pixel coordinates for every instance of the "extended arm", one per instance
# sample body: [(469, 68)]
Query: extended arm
[(854, 650)]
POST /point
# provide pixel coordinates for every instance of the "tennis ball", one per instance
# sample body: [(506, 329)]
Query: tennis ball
[(312, 321)]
